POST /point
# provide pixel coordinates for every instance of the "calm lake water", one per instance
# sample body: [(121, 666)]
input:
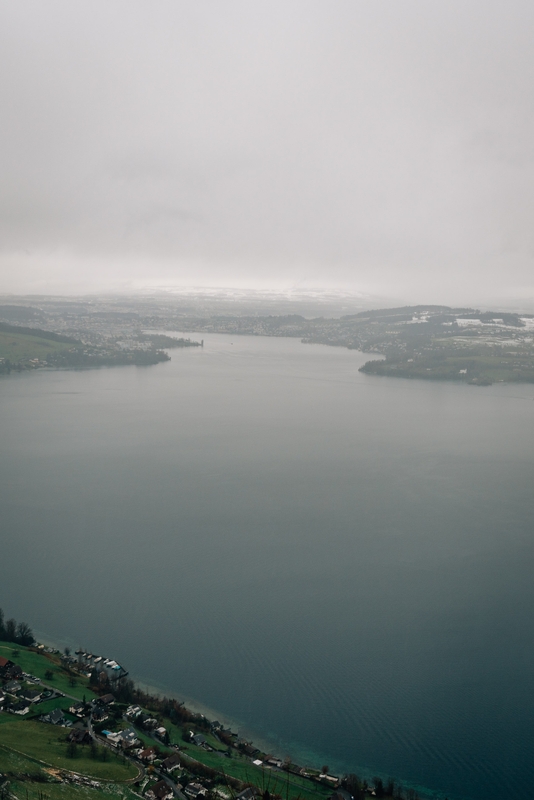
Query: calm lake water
[(340, 563)]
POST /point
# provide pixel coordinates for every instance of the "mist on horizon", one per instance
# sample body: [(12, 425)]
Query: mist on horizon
[(383, 150)]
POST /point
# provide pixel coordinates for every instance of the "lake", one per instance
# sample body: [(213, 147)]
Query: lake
[(341, 564)]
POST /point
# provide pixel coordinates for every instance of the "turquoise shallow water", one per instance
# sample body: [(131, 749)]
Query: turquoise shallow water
[(340, 563)]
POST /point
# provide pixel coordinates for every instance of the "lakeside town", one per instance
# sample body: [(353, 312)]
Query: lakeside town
[(111, 735), (426, 342)]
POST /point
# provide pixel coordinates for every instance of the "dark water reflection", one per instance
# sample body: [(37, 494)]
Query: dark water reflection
[(341, 563)]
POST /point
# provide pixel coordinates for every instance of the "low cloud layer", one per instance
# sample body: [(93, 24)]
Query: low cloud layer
[(386, 147)]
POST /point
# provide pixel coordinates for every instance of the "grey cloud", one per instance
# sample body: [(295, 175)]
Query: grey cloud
[(383, 146)]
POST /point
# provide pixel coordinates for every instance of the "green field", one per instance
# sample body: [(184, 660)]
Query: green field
[(47, 744), (243, 769), (39, 663), (14, 763), (22, 773), (27, 790), (21, 347)]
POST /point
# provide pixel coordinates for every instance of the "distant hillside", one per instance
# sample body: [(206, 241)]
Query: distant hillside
[(31, 348), (22, 314), (425, 341), (37, 332)]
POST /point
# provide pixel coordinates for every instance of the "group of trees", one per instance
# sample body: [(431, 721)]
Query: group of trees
[(123, 689), (163, 706), (359, 788), (96, 752), (18, 632)]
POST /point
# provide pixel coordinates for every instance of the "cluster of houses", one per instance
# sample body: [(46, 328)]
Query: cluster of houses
[(79, 733), (122, 739), (89, 663), (193, 790), (147, 722), (127, 738), (20, 689)]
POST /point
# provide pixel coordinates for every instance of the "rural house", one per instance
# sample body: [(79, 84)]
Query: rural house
[(160, 791)]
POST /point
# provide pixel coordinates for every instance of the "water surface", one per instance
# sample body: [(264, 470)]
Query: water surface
[(341, 563)]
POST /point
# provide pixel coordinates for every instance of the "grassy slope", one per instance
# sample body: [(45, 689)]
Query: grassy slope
[(26, 790), (23, 347), (47, 744), (37, 664), (19, 771)]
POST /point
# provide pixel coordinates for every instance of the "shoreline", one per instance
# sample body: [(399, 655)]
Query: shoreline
[(299, 752)]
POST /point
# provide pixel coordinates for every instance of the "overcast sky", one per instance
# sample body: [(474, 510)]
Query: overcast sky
[(384, 147)]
